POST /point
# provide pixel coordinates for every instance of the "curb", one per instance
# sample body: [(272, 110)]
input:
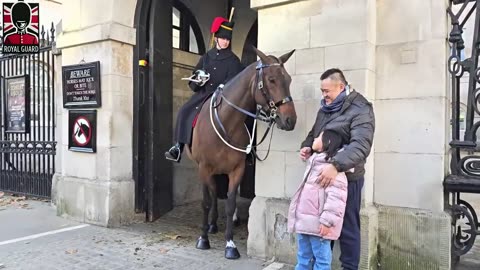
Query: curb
[(278, 266)]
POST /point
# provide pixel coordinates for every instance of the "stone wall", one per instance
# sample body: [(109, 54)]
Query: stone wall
[(98, 188), (411, 97), (307, 27), (394, 53)]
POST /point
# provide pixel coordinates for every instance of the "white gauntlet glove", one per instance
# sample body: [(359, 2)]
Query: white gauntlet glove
[(200, 77)]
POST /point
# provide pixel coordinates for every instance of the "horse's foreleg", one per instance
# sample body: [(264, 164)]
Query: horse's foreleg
[(213, 228), (236, 219), (231, 251), (203, 242)]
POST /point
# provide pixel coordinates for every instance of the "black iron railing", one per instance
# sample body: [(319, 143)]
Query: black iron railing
[(464, 174), (27, 160)]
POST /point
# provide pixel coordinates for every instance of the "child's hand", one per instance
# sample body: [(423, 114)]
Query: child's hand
[(324, 230), (305, 153)]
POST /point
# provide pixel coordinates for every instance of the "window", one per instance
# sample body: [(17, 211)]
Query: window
[(186, 34)]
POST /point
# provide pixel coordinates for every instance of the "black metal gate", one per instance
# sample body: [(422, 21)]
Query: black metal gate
[(464, 176), (27, 160)]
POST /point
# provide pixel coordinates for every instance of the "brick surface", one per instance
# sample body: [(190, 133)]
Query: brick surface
[(168, 243)]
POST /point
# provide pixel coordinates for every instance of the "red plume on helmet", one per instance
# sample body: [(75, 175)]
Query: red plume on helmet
[(217, 22)]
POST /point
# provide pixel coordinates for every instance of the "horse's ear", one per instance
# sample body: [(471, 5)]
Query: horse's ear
[(260, 54), (284, 58)]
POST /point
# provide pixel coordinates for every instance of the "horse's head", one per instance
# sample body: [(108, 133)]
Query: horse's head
[(272, 89)]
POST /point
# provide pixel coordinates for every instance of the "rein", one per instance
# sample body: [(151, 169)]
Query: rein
[(269, 115)]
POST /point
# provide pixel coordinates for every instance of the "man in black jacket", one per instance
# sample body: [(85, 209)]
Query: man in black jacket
[(347, 112), (222, 65)]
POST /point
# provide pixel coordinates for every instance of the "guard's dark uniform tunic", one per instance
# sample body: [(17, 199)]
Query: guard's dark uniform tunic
[(222, 65)]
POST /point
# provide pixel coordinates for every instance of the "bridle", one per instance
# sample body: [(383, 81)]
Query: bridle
[(272, 105), (267, 115)]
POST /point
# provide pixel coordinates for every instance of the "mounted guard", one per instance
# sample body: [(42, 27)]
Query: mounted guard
[(216, 67)]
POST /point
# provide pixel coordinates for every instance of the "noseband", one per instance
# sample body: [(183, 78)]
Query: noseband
[(269, 115)]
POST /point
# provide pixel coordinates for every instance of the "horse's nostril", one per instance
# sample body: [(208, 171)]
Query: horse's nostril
[(289, 122)]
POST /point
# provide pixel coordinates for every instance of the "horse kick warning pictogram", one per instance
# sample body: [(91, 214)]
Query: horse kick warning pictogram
[(82, 131), (82, 126)]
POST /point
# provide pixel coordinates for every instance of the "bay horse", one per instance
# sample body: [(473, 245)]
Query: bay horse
[(264, 86)]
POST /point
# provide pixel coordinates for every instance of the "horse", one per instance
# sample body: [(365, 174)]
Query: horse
[(262, 88)]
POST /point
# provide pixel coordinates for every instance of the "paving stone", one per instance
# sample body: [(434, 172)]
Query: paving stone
[(168, 243)]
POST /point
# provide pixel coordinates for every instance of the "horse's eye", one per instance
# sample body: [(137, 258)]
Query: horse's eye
[(271, 79)]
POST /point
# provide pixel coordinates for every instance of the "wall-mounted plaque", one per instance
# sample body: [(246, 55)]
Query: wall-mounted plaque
[(81, 86)]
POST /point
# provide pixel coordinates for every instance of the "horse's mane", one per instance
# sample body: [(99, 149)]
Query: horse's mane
[(253, 65)]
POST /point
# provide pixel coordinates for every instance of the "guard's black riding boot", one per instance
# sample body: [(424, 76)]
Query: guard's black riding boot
[(175, 152)]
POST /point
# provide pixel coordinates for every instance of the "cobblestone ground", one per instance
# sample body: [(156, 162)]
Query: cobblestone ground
[(168, 243)]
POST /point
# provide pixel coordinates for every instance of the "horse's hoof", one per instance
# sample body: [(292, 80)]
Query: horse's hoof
[(203, 243), (231, 253), (212, 228)]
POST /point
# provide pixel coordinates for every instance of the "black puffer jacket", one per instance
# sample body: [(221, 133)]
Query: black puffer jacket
[(356, 124)]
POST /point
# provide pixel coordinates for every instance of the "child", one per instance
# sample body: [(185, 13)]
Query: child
[(316, 213)]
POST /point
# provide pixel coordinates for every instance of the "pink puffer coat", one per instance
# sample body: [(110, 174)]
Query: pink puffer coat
[(313, 205)]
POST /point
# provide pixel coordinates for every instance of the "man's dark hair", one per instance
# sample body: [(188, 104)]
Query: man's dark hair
[(332, 142), (334, 74)]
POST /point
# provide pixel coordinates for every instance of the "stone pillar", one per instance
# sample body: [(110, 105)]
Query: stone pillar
[(326, 34), (411, 142), (98, 188)]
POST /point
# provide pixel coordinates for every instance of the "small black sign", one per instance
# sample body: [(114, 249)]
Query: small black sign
[(17, 104), (81, 86), (82, 126)]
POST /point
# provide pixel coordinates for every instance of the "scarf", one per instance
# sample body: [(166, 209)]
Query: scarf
[(336, 104)]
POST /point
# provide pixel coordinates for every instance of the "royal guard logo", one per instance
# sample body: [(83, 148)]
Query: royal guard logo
[(20, 27)]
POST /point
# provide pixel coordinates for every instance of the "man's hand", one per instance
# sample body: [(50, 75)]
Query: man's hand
[(305, 153), (327, 176), (324, 230)]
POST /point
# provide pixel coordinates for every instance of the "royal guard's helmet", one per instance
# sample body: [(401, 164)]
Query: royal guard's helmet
[(21, 15), (222, 28)]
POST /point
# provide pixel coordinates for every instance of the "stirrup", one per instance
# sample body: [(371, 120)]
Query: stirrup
[(172, 159), (169, 156)]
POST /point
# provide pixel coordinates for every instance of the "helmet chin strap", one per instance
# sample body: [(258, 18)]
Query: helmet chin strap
[(218, 45)]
